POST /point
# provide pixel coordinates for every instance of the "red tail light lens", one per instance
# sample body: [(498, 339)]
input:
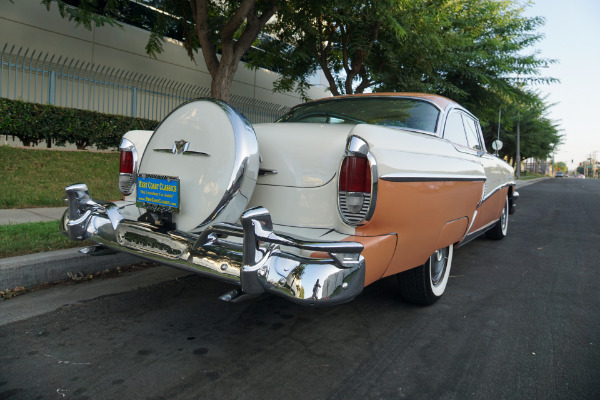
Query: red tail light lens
[(126, 162), (355, 175)]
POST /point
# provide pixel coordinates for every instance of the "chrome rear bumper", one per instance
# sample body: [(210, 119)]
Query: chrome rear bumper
[(262, 261)]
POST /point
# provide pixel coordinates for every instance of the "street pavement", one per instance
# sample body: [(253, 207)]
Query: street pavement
[(519, 320), (36, 269)]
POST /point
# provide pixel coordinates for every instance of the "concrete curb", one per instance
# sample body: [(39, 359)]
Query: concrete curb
[(34, 269), (522, 184)]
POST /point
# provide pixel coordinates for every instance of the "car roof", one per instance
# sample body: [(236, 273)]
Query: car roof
[(441, 101)]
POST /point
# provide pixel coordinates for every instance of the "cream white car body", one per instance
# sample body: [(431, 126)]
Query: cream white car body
[(262, 206)]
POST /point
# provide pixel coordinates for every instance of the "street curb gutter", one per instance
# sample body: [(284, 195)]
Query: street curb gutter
[(522, 184), (36, 269)]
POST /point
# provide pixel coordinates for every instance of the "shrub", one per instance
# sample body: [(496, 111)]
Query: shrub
[(32, 123)]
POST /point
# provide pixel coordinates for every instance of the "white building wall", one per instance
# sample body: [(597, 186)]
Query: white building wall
[(27, 24)]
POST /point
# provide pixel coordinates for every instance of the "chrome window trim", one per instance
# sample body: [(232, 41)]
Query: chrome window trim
[(460, 109), (477, 132), (341, 98), (450, 113)]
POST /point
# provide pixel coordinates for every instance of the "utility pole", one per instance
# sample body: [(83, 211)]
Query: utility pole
[(499, 120), (518, 145)]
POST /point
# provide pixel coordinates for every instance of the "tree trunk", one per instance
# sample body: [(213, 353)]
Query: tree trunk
[(232, 50), (222, 79)]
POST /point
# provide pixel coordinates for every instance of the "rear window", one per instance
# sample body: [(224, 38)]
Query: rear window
[(387, 111)]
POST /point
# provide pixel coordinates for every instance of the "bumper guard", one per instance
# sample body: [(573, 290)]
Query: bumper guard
[(263, 261)]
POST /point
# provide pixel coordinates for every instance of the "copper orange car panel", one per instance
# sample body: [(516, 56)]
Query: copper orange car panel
[(423, 215)]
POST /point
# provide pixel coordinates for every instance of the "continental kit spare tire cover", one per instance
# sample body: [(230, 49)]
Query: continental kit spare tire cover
[(210, 149)]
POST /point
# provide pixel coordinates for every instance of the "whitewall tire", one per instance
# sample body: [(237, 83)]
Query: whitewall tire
[(427, 283)]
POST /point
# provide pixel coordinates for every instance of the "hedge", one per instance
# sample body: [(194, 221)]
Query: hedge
[(33, 123)]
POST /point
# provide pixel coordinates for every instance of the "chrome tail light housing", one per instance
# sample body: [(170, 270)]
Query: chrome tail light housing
[(128, 166), (357, 183)]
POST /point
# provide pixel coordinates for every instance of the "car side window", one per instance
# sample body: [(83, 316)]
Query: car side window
[(472, 133), (454, 130)]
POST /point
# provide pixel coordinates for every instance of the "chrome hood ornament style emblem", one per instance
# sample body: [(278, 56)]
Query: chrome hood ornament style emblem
[(181, 147)]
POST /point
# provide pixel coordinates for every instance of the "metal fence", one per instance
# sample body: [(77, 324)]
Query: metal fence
[(535, 166), (40, 77)]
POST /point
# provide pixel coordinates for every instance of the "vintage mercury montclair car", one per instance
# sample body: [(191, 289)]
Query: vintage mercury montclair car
[(335, 195)]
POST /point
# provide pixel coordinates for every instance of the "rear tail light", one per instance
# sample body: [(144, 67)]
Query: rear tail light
[(355, 175), (126, 163), (357, 183), (127, 167)]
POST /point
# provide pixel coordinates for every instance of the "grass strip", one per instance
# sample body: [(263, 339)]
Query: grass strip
[(34, 237), (38, 177)]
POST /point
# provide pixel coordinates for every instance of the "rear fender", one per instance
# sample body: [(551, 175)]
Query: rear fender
[(138, 140)]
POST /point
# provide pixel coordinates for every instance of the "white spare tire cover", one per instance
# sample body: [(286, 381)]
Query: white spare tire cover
[(212, 149)]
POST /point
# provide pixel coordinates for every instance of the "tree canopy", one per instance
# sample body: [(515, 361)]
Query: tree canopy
[(223, 30), (561, 166), (472, 51), (450, 47), (476, 52), (539, 135)]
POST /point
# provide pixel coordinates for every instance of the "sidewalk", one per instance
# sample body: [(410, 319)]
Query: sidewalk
[(23, 215), (527, 182)]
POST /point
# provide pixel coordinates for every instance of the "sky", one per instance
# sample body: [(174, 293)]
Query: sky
[(572, 37)]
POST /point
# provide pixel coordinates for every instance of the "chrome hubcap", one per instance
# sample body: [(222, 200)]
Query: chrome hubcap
[(437, 264), (504, 218)]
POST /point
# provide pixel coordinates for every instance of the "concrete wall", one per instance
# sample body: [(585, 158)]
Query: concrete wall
[(26, 23)]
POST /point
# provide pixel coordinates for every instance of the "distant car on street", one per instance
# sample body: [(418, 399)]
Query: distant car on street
[(581, 176), (560, 174)]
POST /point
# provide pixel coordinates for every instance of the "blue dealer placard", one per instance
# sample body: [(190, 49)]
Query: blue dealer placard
[(158, 192)]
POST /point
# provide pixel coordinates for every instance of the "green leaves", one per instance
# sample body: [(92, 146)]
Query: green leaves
[(460, 48), (87, 13), (32, 123)]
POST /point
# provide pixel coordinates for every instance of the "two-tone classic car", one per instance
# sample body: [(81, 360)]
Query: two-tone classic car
[(335, 195)]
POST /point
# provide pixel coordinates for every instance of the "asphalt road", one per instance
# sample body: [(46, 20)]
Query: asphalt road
[(519, 320)]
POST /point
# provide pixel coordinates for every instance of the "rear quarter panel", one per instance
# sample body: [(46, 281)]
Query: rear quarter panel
[(427, 193)]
